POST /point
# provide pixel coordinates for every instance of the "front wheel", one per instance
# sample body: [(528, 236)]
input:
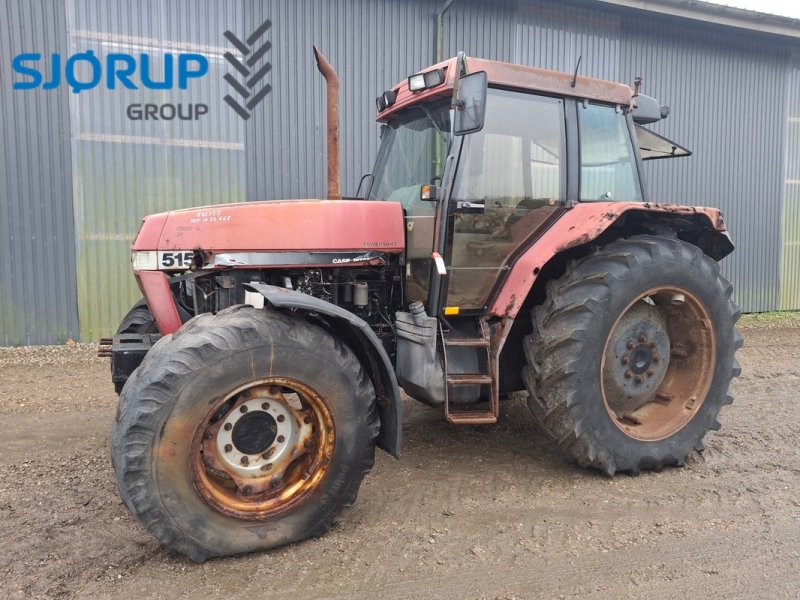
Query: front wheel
[(632, 354), (244, 431)]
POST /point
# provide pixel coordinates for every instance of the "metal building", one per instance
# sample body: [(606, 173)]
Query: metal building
[(77, 174)]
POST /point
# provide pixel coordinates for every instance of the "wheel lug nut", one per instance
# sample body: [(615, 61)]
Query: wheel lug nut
[(630, 345), (281, 439), (651, 372), (281, 418), (656, 358), (625, 360), (228, 427), (652, 345), (642, 338), (639, 379), (245, 461), (628, 374), (243, 408), (265, 405), (228, 447)]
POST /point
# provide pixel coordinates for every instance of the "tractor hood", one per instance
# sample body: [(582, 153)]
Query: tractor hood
[(254, 233)]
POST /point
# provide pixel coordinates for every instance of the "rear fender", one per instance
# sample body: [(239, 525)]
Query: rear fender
[(592, 221), (363, 341)]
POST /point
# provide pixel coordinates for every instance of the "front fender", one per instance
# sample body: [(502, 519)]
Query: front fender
[(363, 341)]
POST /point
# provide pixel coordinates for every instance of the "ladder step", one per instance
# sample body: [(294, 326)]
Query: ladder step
[(469, 379), (468, 342), (471, 417)]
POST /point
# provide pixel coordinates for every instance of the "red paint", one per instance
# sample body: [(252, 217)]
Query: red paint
[(155, 288), (303, 225), (579, 225), (514, 76)]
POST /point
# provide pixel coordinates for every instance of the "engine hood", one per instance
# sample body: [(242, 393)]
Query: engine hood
[(277, 226)]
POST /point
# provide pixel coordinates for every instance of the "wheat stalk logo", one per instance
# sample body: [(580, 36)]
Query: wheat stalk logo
[(252, 50)]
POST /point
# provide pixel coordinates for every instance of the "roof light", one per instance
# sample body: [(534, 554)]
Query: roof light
[(416, 82), (423, 81), (386, 100)]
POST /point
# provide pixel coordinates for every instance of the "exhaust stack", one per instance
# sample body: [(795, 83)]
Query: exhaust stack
[(329, 73)]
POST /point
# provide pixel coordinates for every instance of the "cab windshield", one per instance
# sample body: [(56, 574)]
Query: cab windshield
[(413, 148)]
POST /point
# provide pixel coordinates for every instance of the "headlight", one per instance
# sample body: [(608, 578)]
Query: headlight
[(144, 260)]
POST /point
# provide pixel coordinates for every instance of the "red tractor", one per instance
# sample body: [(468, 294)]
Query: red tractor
[(503, 242)]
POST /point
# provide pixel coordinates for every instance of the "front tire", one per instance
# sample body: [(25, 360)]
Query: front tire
[(243, 431), (632, 354)]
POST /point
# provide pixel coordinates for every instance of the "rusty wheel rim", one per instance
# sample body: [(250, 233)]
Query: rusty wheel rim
[(262, 448), (658, 363)]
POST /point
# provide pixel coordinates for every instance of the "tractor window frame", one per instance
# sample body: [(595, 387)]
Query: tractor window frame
[(632, 162)]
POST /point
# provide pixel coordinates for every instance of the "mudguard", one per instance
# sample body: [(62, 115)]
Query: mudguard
[(363, 341)]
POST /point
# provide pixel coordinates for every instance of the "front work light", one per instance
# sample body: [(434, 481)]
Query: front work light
[(146, 260), (423, 81), (385, 100)]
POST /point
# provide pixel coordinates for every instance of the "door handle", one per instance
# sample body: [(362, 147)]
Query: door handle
[(469, 206)]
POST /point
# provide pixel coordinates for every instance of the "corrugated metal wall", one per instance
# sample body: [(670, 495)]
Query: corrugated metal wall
[(37, 252), (372, 45), (125, 169), (790, 264), (89, 173), (728, 95)]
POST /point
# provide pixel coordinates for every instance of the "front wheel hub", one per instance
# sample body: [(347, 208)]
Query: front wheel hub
[(257, 433), (262, 448)]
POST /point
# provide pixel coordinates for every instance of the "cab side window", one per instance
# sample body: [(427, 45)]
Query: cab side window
[(608, 162)]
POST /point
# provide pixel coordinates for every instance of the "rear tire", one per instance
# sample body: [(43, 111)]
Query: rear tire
[(186, 490), (632, 354)]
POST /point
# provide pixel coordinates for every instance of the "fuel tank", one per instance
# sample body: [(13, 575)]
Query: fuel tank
[(243, 233)]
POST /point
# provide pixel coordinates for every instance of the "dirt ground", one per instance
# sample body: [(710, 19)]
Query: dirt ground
[(467, 513)]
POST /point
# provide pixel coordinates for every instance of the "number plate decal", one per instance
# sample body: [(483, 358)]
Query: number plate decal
[(175, 260)]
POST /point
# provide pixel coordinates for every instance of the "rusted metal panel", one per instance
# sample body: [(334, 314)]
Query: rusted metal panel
[(515, 76), (38, 296), (302, 225), (579, 225)]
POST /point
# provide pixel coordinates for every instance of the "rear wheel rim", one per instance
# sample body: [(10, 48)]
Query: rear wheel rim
[(658, 363), (262, 448)]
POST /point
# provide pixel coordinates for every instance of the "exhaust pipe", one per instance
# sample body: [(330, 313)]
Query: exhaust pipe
[(329, 73)]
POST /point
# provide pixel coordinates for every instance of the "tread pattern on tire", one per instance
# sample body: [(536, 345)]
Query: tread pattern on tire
[(562, 324), (148, 393)]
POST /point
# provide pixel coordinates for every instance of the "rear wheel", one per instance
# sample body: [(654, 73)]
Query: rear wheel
[(243, 431), (632, 354)]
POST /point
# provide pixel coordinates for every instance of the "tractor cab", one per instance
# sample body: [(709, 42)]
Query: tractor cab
[(484, 157), (493, 153)]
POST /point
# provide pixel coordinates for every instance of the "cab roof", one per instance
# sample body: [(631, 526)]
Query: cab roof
[(512, 76)]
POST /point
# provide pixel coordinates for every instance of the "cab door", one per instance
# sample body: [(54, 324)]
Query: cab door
[(510, 182)]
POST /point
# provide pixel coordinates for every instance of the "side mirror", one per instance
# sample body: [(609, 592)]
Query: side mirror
[(646, 110), (470, 103)]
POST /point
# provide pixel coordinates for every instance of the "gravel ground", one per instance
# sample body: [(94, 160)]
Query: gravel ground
[(489, 512)]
